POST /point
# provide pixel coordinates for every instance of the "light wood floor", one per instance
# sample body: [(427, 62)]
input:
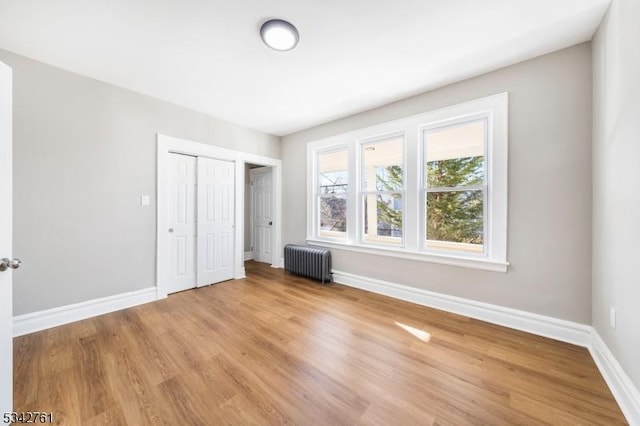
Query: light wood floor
[(278, 349)]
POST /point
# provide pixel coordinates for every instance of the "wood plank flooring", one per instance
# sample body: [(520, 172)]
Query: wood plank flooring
[(278, 349)]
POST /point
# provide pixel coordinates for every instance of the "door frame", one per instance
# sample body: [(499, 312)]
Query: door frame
[(6, 218), (169, 144), (252, 207)]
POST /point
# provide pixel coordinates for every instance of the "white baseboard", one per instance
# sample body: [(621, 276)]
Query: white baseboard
[(624, 391), (622, 388), (41, 320), (566, 331), (278, 264), (248, 255), (241, 274)]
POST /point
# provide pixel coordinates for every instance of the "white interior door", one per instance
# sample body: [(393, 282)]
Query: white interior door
[(6, 297), (182, 223), (216, 220), (262, 213)]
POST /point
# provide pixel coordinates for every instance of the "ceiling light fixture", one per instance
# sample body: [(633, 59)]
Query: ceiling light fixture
[(279, 35)]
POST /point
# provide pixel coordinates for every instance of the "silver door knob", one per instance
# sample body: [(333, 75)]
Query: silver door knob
[(6, 264)]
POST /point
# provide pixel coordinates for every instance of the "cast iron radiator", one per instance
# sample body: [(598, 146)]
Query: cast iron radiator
[(314, 262)]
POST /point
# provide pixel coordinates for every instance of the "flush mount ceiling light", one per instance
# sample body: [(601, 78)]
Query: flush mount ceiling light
[(279, 35)]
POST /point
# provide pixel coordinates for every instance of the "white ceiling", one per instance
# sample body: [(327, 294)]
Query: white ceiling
[(353, 55)]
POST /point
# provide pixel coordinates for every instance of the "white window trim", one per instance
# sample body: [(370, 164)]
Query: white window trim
[(495, 108)]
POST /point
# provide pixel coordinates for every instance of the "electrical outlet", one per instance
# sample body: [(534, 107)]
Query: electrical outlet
[(144, 200), (612, 317)]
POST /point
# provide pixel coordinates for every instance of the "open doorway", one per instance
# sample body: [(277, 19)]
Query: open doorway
[(259, 213), (168, 145)]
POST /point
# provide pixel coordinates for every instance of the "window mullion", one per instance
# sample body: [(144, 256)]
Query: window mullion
[(456, 188), (411, 197), (353, 208)]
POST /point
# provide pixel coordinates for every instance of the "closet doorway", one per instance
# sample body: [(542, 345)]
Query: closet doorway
[(200, 211), (218, 244)]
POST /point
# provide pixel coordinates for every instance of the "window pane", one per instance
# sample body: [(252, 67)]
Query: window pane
[(333, 181), (455, 155), (455, 221), (333, 215), (383, 218), (333, 175), (382, 165), (456, 172)]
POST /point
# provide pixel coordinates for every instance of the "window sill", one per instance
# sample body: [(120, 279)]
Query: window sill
[(444, 259)]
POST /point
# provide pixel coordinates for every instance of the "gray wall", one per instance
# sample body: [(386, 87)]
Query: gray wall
[(616, 180), (549, 244), (84, 153)]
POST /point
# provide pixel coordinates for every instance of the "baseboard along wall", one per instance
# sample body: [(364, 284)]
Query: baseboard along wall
[(566, 331), (49, 318), (624, 391)]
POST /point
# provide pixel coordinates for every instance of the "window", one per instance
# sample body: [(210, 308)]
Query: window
[(382, 190), (333, 183), (431, 187), (454, 186)]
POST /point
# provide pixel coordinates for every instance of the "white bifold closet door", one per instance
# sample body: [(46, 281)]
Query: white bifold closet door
[(201, 221), (182, 222), (216, 217)]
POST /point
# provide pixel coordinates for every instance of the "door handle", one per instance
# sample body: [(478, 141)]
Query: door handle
[(270, 223), (6, 264)]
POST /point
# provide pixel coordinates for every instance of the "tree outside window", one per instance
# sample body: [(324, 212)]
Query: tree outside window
[(333, 185), (455, 187), (430, 187)]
